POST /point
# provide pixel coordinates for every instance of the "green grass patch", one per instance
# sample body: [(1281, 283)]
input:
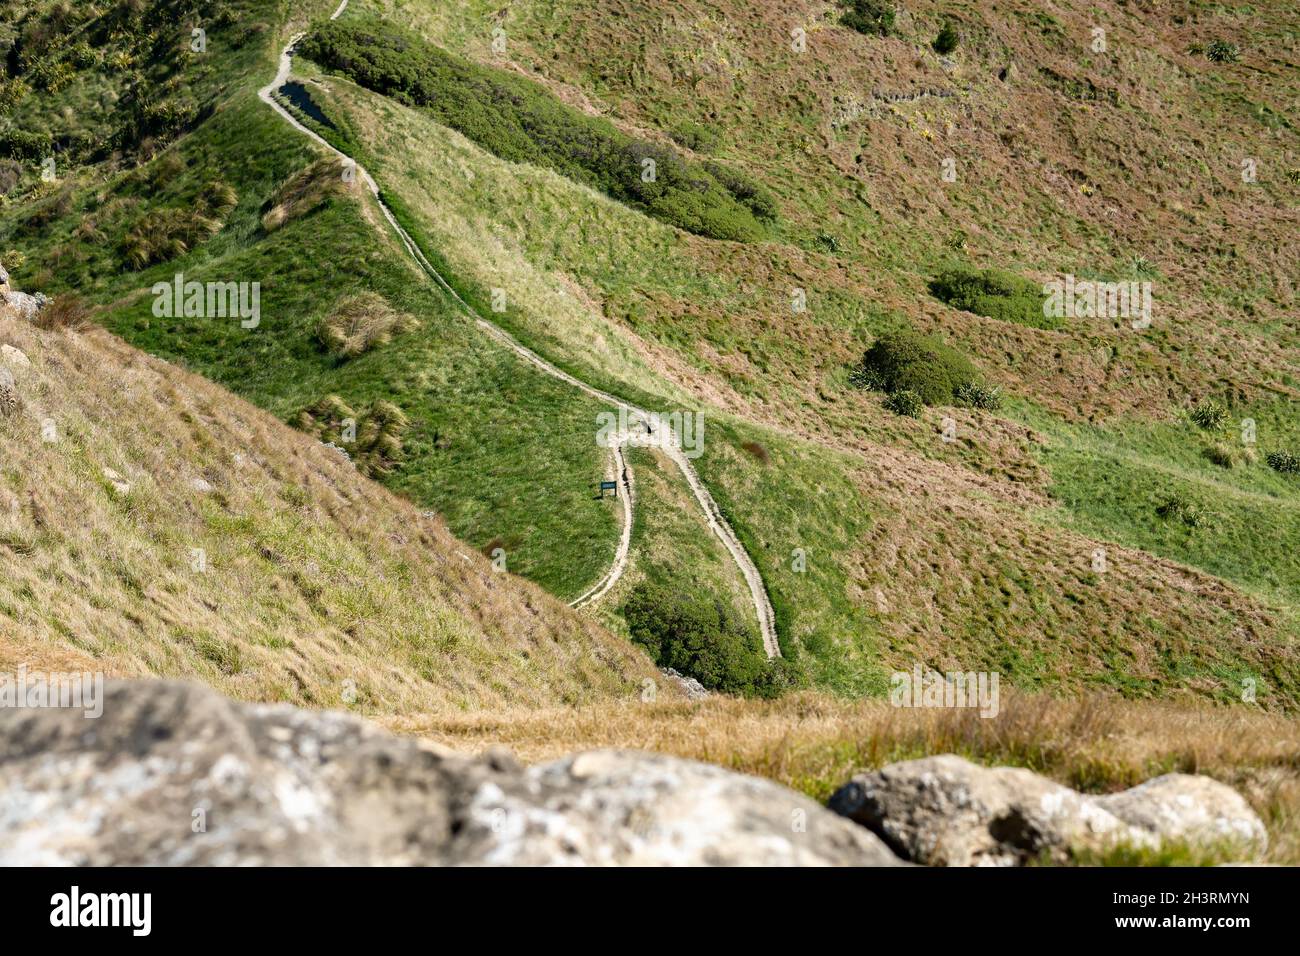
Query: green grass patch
[(520, 121), (994, 294)]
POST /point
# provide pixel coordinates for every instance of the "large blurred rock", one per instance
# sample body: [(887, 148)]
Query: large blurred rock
[(175, 774), (947, 811), (1180, 806)]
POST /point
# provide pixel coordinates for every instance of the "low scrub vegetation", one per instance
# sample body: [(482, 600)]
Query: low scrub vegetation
[(705, 640), (976, 395), (947, 40), (372, 438), (520, 121), (1221, 51), (1180, 508), (994, 294), (907, 362), (870, 17)]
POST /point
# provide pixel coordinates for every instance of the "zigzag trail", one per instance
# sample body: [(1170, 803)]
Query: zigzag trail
[(671, 446)]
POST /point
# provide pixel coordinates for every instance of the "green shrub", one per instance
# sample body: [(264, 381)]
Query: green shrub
[(1209, 414), (1283, 462), (994, 294), (1221, 51), (899, 361), (947, 40), (520, 121), (905, 402), (871, 17), (1182, 509), (703, 639), (975, 395)]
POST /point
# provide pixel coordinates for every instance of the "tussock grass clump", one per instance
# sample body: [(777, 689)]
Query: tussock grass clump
[(1209, 415), (906, 361), (161, 235), (1224, 455), (994, 294), (360, 323), (304, 191), (10, 402), (520, 121), (1183, 509), (372, 438), (66, 311)]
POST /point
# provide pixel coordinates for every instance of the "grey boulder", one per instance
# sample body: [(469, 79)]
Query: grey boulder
[(947, 811), (175, 774)]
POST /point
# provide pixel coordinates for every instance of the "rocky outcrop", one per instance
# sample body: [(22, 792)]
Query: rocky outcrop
[(947, 811), (22, 304), (175, 774)]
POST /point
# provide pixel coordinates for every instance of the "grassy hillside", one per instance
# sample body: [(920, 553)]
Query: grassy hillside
[(967, 536), (165, 527)]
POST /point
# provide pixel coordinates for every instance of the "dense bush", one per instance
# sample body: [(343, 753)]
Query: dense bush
[(1284, 462), (906, 361), (872, 17), (703, 639), (994, 294), (975, 395), (946, 41), (522, 122), (905, 402)]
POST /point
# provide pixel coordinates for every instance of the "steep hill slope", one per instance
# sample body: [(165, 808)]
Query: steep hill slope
[(1087, 533), (152, 523)]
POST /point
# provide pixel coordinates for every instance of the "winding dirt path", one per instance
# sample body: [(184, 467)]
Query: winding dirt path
[(670, 444)]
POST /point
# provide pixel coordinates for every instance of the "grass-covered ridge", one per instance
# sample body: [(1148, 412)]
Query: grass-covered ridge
[(520, 121)]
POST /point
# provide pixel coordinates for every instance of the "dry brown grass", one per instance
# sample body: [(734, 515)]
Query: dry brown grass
[(318, 583), (306, 190), (814, 743), (360, 323)]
